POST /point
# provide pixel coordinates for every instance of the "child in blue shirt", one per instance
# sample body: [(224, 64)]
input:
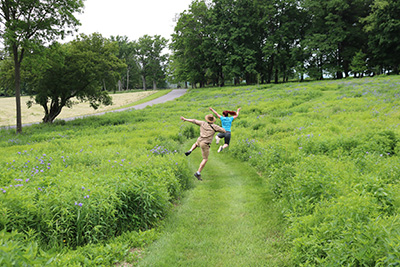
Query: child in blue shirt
[(226, 123)]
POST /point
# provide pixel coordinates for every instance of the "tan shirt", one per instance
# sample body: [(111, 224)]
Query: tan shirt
[(206, 132)]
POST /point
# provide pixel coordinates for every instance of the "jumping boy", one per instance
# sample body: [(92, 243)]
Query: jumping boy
[(207, 131)]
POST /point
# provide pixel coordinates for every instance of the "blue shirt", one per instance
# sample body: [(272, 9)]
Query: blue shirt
[(226, 123)]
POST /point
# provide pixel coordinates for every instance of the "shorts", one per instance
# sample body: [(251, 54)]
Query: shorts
[(226, 136), (205, 149)]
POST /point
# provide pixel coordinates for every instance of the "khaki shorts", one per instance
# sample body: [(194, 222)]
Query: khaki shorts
[(205, 149)]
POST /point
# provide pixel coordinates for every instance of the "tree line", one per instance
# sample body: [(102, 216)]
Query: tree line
[(263, 41), (214, 42), (86, 69)]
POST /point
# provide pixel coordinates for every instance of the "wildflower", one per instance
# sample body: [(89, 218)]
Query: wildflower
[(80, 204)]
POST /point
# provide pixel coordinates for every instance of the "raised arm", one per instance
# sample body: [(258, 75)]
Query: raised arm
[(189, 120), (237, 113), (216, 113)]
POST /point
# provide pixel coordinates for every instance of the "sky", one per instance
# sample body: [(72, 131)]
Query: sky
[(131, 18)]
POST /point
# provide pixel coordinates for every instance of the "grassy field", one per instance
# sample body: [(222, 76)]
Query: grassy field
[(312, 175), (229, 219), (36, 112)]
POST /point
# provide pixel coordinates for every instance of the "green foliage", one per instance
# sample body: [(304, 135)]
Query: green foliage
[(30, 24), (358, 63), (82, 68), (150, 60), (382, 25), (252, 42), (17, 250), (88, 181), (328, 151)]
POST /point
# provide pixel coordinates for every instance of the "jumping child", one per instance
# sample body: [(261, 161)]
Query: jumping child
[(207, 131), (226, 123)]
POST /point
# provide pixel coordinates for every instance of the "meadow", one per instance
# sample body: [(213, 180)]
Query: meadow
[(88, 191), (35, 113)]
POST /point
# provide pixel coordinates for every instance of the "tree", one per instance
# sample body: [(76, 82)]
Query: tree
[(6, 77), (150, 60), (335, 33), (27, 23), (126, 53), (383, 29), (81, 69), (193, 46), (358, 64)]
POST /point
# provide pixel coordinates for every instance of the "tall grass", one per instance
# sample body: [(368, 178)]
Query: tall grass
[(328, 150)]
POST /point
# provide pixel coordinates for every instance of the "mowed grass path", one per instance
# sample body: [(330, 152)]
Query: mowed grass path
[(228, 219)]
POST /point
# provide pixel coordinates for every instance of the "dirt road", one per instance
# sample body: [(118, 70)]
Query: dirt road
[(168, 97)]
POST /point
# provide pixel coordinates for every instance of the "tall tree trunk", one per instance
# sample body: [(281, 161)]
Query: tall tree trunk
[(321, 71), (144, 82), (222, 79), (17, 72), (270, 69), (154, 85), (104, 85), (127, 79), (119, 85)]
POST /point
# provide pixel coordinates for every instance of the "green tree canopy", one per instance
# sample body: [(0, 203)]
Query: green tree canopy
[(151, 60), (224, 40), (26, 24), (383, 28), (79, 69)]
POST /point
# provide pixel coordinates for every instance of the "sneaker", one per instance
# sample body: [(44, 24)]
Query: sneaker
[(217, 139), (220, 149), (198, 176), (188, 153)]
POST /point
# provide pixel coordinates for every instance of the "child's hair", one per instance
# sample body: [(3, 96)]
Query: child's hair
[(225, 113)]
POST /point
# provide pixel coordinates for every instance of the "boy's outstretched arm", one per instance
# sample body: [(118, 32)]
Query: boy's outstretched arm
[(189, 120)]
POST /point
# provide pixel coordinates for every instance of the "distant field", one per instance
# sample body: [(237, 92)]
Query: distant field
[(36, 112)]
